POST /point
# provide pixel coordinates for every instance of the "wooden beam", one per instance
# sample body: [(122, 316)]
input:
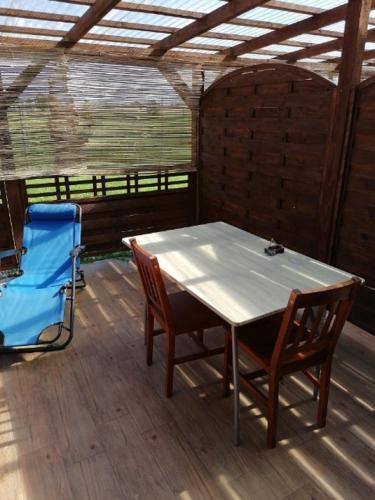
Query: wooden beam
[(209, 21), (357, 17), (312, 23), (124, 55), (89, 19)]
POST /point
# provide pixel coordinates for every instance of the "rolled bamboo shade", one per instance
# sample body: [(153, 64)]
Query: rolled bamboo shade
[(69, 114)]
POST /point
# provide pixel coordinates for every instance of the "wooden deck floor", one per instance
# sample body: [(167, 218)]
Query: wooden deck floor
[(92, 422)]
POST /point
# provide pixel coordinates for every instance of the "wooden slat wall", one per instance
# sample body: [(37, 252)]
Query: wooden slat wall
[(114, 207), (263, 143), (355, 245), (107, 220)]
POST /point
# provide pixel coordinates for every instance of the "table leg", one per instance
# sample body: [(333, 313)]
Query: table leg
[(144, 324), (236, 387), (316, 388)]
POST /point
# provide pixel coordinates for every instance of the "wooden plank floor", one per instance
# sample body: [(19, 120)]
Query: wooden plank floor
[(91, 422)]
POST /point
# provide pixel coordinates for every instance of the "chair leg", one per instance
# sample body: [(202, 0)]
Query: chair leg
[(325, 378), (149, 327), (170, 347), (272, 410), (227, 361)]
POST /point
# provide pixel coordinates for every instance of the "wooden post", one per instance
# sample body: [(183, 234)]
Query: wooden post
[(355, 34), (197, 89), (17, 203)]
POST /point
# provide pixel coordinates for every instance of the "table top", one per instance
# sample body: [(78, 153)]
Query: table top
[(226, 269)]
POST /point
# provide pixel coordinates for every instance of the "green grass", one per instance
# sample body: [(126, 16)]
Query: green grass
[(85, 188)]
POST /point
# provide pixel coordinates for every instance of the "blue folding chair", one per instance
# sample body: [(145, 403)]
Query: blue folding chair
[(47, 276)]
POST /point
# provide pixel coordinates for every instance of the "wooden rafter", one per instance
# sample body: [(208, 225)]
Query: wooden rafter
[(312, 23), (209, 21), (108, 23), (89, 19)]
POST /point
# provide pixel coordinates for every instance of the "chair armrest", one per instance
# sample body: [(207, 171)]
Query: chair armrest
[(76, 252), (10, 253)]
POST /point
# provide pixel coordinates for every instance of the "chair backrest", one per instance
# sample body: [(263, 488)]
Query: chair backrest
[(153, 284), (51, 231), (313, 321)]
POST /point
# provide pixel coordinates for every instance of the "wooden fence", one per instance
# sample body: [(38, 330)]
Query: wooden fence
[(112, 206), (265, 133)]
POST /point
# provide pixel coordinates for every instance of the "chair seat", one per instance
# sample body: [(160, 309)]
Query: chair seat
[(189, 314), (259, 339), (25, 312)]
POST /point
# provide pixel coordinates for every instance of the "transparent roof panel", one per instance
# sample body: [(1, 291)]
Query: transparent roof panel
[(32, 37), (332, 54), (214, 41), (321, 4), (312, 39), (274, 16), (260, 57), (152, 35), (336, 27), (45, 6), (312, 60), (145, 18), (234, 29), (196, 51), (34, 23), (116, 44), (204, 6), (280, 48)]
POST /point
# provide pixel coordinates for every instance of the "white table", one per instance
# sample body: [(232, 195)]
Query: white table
[(227, 270)]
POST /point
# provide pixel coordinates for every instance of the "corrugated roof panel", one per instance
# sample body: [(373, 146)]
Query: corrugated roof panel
[(197, 51), (332, 54), (214, 41), (100, 30), (261, 57), (45, 6), (31, 37), (340, 26), (314, 39), (115, 44), (312, 60), (320, 4), (144, 18), (35, 23), (274, 16), (240, 30), (277, 47), (204, 6)]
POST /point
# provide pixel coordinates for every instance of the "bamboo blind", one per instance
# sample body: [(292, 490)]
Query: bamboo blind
[(65, 114)]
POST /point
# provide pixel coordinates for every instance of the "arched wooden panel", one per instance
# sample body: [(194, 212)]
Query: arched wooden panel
[(263, 141), (355, 244)]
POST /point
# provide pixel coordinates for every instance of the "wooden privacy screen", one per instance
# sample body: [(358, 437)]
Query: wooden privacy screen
[(113, 206), (263, 140), (355, 244)]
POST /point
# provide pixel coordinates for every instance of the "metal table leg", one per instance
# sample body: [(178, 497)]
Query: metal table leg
[(236, 387), (316, 388)]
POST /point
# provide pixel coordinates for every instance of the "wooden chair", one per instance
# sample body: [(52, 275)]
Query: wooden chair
[(302, 337), (176, 313)]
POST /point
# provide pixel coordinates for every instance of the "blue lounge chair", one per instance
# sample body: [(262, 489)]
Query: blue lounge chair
[(48, 271)]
